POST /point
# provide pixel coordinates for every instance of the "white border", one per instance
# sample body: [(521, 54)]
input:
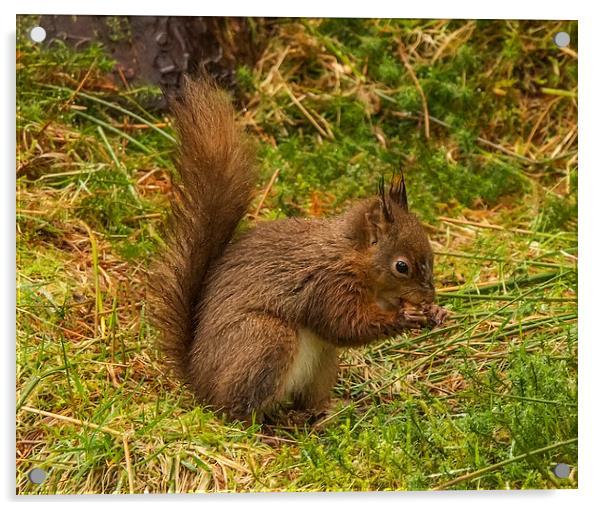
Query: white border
[(590, 266)]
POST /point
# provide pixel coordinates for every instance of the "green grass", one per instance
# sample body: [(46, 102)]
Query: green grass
[(487, 402)]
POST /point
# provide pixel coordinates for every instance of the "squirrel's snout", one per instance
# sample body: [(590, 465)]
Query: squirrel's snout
[(429, 293), (421, 296)]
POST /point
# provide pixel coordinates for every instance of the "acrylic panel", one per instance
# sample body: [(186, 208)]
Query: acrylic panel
[(480, 118)]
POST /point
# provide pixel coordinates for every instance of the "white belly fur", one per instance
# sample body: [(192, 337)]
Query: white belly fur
[(305, 363)]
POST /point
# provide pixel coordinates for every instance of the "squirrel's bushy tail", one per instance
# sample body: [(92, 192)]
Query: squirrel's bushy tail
[(216, 170)]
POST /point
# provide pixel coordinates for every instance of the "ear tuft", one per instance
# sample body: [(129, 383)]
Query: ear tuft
[(384, 206), (397, 190)]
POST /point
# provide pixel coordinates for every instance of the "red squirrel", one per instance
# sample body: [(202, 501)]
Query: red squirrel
[(254, 320)]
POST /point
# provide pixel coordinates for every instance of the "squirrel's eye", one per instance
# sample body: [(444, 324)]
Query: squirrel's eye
[(401, 267)]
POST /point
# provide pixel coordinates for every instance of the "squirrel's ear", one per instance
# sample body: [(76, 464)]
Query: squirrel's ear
[(376, 222), (397, 191)]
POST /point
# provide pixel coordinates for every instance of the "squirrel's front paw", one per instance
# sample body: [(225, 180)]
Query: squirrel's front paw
[(436, 315), (412, 318)]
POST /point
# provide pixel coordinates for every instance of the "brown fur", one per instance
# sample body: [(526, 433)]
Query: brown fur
[(231, 314)]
